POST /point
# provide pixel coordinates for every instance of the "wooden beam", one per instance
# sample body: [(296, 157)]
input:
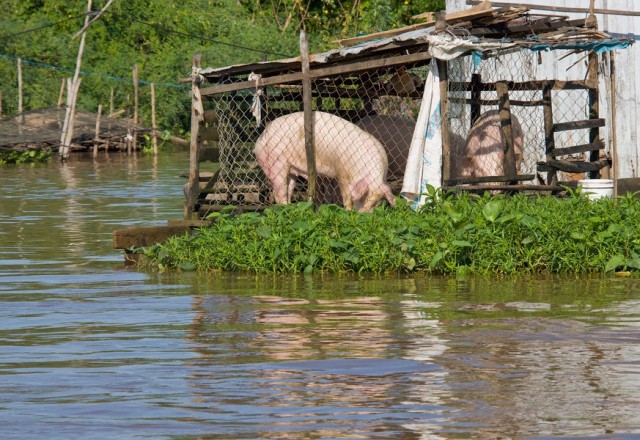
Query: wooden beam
[(320, 73), (488, 179), (560, 8), (571, 166), (579, 125), (596, 146), (483, 9), (533, 85)]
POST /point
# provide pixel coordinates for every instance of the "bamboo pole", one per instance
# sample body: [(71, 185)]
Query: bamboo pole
[(154, 126), (134, 141), (192, 187), (309, 123), (0, 104), (20, 85), (67, 132), (111, 102), (97, 136)]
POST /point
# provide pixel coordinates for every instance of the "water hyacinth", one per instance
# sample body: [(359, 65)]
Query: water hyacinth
[(453, 233)]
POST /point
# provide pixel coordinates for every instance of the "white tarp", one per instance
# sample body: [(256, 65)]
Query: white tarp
[(424, 162)]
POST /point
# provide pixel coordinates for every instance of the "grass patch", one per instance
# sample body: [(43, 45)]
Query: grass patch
[(452, 234)]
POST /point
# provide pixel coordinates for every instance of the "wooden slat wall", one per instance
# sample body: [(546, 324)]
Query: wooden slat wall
[(627, 66)]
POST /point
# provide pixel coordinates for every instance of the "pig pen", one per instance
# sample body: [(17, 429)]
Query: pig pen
[(507, 124)]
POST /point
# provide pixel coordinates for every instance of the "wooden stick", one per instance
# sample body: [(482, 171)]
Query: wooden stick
[(309, 144), (134, 141), (111, 103), (154, 126), (20, 86), (97, 136)]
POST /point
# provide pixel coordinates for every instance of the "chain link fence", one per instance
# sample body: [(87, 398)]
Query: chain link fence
[(363, 128)]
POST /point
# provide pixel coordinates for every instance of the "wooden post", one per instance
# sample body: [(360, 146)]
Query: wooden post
[(111, 102), (309, 123), (20, 86), (509, 164), (0, 104), (96, 139), (192, 188), (72, 91), (549, 140), (443, 72), (154, 126), (614, 137), (476, 96), (134, 141), (594, 105)]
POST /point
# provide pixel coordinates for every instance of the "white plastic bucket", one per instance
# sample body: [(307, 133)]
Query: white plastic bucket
[(597, 188)]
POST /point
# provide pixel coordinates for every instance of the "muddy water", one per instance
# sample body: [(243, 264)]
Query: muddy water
[(91, 350)]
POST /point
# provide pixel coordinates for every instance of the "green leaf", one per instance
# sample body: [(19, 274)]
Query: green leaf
[(492, 210), (461, 243), (263, 231), (615, 262)]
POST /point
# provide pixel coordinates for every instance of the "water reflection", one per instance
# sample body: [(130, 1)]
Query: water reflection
[(89, 349)]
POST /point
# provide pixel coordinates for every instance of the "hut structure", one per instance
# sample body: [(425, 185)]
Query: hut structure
[(430, 93)]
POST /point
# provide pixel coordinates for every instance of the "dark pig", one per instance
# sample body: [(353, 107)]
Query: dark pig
[(355, 158), (484, 148)]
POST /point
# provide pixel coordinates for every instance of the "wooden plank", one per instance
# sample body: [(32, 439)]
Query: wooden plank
[(481, 10), (320, 73), (596, 146), (509, 164), (488, 179), (570, 166), (504, 188), (604, 11), (578, 125)]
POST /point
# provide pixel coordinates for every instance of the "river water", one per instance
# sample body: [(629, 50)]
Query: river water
[(91, 349)]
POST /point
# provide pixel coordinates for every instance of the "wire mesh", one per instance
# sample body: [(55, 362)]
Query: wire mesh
[(364, 124)]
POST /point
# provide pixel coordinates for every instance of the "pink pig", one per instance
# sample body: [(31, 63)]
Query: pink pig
[(343, 151), (484, 148)]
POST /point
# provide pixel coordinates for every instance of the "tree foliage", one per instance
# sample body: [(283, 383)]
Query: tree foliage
[(161, 37)]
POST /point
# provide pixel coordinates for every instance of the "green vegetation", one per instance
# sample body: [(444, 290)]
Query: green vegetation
[(453, 234), (161, 36), (28, 156)]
